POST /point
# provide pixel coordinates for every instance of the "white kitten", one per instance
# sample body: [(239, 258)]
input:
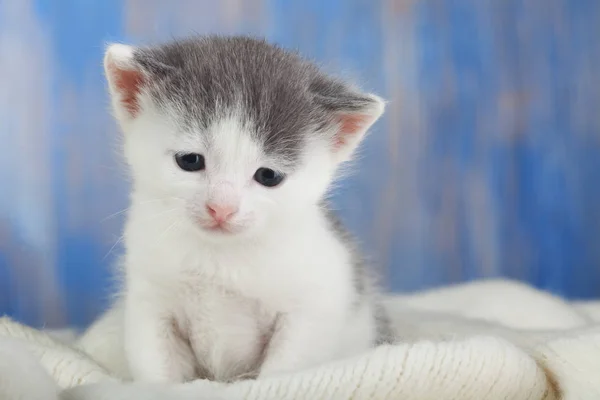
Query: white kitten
[(234, 267)]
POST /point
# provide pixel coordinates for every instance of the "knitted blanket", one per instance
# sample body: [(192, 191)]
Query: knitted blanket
[(486, 340)]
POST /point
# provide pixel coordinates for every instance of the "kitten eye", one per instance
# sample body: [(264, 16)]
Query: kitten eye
[(190, 161), (267, 177)]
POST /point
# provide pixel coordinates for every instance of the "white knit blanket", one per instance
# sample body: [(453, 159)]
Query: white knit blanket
[(481, 341)]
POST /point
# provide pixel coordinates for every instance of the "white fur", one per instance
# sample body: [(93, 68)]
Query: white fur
[(276, 294)]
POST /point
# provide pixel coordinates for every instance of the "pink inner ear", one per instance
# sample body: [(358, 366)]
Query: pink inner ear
[(128, 83), (350, 126)]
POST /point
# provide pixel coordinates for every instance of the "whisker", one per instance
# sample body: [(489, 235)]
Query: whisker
[(140, 203), (159, 214), (149, 219), (115, 214), (162, 235), (160, 199), (113, 247)]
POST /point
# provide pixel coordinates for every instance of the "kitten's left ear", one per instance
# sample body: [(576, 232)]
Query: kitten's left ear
[(125, 79), (352, 113)]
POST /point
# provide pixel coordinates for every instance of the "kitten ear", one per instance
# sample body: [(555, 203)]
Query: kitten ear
[(125, 79), (352, 113)]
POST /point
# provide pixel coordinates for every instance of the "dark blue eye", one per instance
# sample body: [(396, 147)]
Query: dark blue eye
[(190, 161), (267, 177)]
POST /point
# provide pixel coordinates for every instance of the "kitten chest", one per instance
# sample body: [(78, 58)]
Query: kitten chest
[(227, 333)]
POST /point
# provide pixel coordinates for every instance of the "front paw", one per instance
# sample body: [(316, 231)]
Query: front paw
[(166, 362)]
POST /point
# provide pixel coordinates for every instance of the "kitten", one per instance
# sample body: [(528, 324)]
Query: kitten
[(234, 266)]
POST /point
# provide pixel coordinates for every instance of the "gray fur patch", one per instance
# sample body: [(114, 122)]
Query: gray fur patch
[(283, 97), (365, 283), (362, 279)]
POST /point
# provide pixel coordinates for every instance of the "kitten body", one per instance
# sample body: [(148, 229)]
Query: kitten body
[(234, 266)]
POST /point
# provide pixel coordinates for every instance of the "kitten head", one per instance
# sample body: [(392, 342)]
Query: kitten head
[(239, 133)]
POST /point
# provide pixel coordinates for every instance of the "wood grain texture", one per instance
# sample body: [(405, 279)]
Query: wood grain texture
[(486, 164)]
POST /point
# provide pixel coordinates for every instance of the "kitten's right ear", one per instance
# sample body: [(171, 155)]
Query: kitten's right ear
[(351, 113), (125, 79)]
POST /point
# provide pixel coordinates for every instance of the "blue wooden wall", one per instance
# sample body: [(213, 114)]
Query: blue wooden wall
[(486, 164)]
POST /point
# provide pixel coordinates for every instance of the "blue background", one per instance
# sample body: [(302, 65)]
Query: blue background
[(487, 162)]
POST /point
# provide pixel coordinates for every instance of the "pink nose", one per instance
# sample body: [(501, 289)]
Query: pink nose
[(221, 212)]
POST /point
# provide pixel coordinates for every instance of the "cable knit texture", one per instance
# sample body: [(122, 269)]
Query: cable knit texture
[(486, 340)]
